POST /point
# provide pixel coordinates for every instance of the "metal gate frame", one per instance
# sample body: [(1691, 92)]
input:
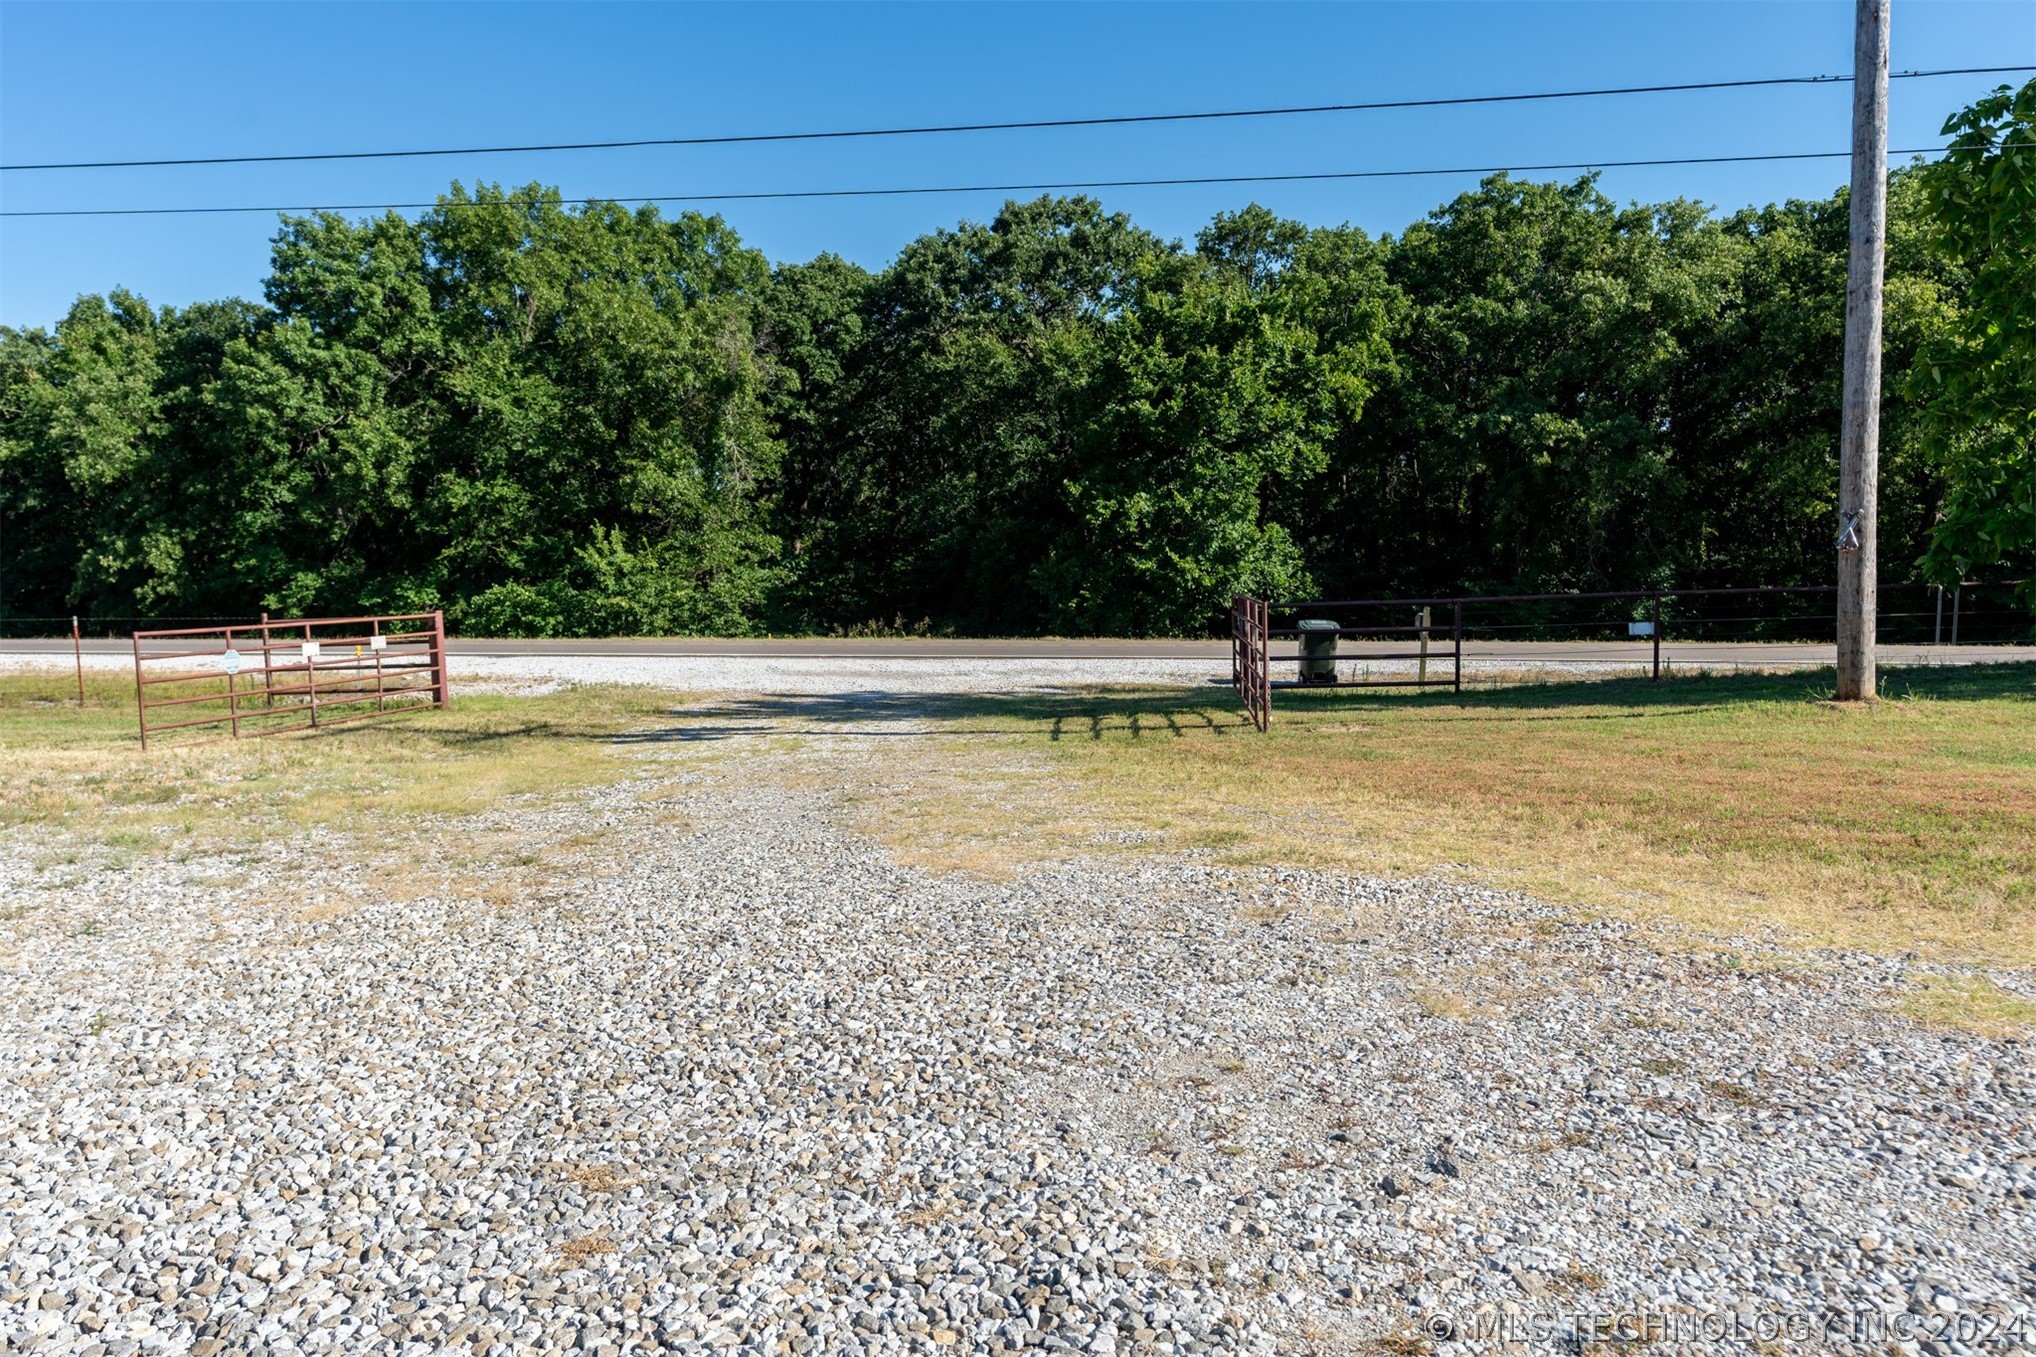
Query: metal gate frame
[(1250, 667), (402, 665)]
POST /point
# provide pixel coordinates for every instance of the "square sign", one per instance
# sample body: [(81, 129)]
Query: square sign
[(1640, 628), (230, 661), (310, 651), (378, 642)]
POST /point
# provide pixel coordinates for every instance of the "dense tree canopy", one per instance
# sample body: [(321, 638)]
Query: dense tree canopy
[(552, 420), (1978, 376)]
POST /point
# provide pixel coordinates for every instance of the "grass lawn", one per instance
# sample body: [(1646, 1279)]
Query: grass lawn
[(80, 769), (1731, 803)]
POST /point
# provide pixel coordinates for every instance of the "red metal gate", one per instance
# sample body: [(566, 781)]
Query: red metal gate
[(267, 678)]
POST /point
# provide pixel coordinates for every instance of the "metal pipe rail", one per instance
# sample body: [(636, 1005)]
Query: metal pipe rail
[(384, 669), (1253, 616)]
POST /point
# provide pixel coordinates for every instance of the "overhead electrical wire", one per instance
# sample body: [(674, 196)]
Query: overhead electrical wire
[(1118, 120), (772, 195)]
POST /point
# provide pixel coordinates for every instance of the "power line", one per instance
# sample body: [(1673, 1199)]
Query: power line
[(979, 188), (1031, 124)]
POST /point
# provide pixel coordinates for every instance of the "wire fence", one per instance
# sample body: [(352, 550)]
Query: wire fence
[(1974, 613)]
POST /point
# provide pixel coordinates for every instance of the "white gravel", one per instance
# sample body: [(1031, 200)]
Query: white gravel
[(748, 1084), (840, 677)]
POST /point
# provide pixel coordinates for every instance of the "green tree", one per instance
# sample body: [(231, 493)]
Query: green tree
[(1216, 394), (605, 438), (948, 467), (1755, 409), (554, 420), (82, 412), (1978, 381), (1524, 441), (811, 327)]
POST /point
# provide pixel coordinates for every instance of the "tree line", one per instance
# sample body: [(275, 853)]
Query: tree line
[(596, 420)]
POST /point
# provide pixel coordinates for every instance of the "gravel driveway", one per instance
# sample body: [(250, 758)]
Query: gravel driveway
[(738, 1081)]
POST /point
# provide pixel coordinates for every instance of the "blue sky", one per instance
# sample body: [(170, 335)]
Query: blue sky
[(97, 81)]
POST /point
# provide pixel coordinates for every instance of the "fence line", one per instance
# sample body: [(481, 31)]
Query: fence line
[(1329, 620)]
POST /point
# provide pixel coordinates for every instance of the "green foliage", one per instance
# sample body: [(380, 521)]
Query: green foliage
[(1217, 390), (1979, 379), (545, 421), (554, 421)]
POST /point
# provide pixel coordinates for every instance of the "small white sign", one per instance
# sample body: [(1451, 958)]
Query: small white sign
[(1640, 628), (230, 661), (310, 651), (378, 642)]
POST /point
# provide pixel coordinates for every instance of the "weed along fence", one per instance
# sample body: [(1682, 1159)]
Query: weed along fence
[(267, 678)]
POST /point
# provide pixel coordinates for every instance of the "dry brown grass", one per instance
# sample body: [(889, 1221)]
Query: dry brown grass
[(598, 1178), (78, 775), (84, 772), (1726, 805), (582, 1251)]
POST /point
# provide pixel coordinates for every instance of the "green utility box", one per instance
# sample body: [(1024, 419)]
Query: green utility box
[(1318, 649)]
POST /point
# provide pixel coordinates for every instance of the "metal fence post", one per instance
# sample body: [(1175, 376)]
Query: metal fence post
[(1957, 595), (233, 689), (1657, 634), (78, 658), (441, 689), (1456, 627), (1937, 633), (268, 675), (310, 674), (1421, 620), (140, 695), (1236, 659)]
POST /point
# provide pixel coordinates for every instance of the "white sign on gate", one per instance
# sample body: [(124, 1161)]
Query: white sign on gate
[(310, 651), (378, 642), (230, 661)]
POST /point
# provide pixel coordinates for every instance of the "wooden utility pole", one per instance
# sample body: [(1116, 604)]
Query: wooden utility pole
[(1859, 436)]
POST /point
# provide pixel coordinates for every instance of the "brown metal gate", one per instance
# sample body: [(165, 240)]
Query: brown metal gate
[(1250, 665), (268, 678)]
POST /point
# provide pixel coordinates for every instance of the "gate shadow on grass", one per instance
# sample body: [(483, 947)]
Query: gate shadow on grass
[(858, 715), (1212, 712)]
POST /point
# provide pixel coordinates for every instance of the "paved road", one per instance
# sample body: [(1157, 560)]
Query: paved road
[(1701, 654)]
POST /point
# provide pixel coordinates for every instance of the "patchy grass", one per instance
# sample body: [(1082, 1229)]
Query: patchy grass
[(1971, 1004), (1740, 805), (582, 1251), (81, 769), (1441, 1003), (1731, 804), (598, 1178)]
